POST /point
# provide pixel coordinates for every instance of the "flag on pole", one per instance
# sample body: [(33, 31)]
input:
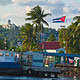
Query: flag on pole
[(71, 61), (58, 20)]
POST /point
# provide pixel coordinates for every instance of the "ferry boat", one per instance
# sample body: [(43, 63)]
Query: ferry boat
[(8, 64), (36, 64), (27, 64)]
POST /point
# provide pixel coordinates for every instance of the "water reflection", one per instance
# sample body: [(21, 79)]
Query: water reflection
[(35, 78), (22, 78)]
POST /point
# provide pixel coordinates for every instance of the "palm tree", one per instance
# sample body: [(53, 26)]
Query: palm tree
[(27, 34), (77, 18), (36, 15), (52, 37)]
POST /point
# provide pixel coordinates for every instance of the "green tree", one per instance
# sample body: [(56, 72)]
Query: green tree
[(37, 15), (72, 36), (51, 38), (2, 46), (28, 36), (77, 19), (75, 32), (63, 36)]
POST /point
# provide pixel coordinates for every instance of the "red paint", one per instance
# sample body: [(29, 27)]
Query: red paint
[(50, 45)]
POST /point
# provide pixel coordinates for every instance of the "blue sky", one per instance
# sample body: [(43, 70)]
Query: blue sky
[(15, 10)]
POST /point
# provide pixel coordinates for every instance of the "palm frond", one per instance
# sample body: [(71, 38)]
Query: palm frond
[(76, 18), (28, 18), (45, 22), (46, 14)]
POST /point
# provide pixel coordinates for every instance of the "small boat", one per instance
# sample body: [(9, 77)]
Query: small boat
[(8, 65)]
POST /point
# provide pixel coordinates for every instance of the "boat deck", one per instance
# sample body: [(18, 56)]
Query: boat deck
[(44, 69)]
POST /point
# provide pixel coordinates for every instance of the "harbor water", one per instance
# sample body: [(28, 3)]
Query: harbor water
[(35, 78)]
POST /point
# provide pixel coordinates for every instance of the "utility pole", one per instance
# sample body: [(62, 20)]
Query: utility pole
[(66, 48), (5, 43)]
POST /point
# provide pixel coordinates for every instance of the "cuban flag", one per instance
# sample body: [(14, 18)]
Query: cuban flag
[(58, 20)]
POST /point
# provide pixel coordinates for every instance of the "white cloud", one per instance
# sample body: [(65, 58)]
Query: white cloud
[(18, 1), (28, 8), (54, 1), (72, 3), (5, 2), (66, 10), (6, 15), (46, 9), (14, 12), (57, 8), (24, 1)]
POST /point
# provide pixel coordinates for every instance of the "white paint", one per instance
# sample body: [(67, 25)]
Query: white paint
[(75, 59), (51, 51), (62, 59)]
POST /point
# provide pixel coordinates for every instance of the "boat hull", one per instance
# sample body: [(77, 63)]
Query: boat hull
[(10, 68)]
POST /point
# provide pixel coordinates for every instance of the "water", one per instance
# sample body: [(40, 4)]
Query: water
[(35, 78)]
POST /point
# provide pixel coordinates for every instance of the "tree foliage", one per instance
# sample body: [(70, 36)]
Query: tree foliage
[(28, 36), (37, 15), (71, 34), (51, 38), (30, 33)]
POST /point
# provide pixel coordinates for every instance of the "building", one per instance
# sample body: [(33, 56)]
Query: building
[(5, 26), (10, 31), (51, 47), (10, 25)]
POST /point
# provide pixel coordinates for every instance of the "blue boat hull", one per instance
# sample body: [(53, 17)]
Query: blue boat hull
[(10, 65), (10, 68)]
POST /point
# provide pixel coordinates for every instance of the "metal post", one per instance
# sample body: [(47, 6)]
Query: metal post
[(66, 50), (5, 43)]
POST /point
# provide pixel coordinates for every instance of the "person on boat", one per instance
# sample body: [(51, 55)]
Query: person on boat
[(15, 58)]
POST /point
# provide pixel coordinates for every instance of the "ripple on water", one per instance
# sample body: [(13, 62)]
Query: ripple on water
[(35, 78)]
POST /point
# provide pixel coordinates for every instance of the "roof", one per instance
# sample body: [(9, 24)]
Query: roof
[(50, 45)]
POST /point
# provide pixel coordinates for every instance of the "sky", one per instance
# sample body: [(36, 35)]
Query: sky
[(15, 10)]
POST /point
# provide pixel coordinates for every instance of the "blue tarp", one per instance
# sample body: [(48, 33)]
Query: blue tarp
[(54, 54), (5, 58), (61, 54)]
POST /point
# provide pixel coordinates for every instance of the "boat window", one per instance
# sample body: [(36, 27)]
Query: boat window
[(46, 61), (51, 59), (29, 60), (29, 57), (7, 54), (1, 54)]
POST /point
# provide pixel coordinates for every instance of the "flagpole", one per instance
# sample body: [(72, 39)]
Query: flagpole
[(59, 20)]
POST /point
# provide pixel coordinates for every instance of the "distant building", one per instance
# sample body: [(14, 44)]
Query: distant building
[(5, 26), (11, 32), (9, 25), (9, 22)]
